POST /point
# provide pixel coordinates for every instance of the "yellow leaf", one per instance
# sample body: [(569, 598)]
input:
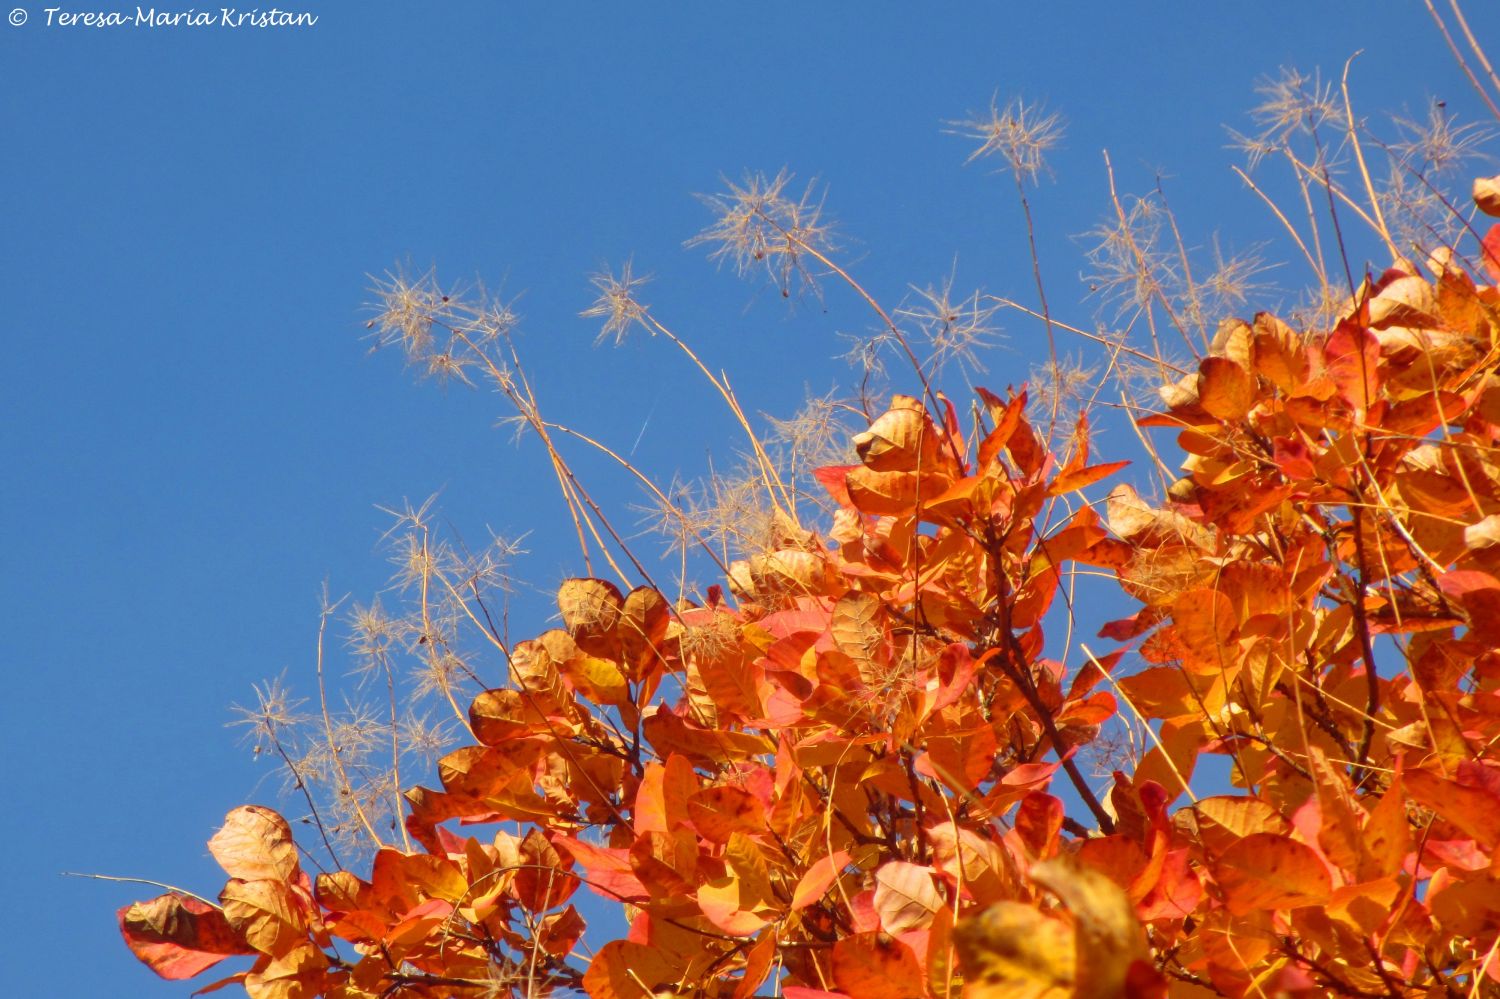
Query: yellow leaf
[(1012, 951), (1108, 937)]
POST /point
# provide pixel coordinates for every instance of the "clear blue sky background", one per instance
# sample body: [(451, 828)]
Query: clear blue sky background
[(194, 436)]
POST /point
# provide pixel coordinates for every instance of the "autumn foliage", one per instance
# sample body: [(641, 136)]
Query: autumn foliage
[(866, 784), (854, 767)]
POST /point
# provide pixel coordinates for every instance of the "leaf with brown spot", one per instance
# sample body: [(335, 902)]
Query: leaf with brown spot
[(1474, 811), (874, 966), (498, 716), (717, 813), (177, 936)]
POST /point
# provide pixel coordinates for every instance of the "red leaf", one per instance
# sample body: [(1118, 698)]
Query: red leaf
[(1491, 248), (833, 479), (1038, 823), (609, 871), (178, 937), (1353, 357)]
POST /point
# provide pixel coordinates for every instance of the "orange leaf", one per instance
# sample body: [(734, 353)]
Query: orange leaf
[(254, 844), (542, 882), (1068, 482), (650, 814), (725, 904), (591, 611), (1226, 391), (873, 966), (757, 965), (609, 871), (497, 716), (643, 629), (267, 914), (1473, 810), (1266, 871), (834, 479), (1038, 823), (857, 628), (625, 970), (560, 932), (298, 975), (1387, 834), (818, 879), (902, 439), (892, 494), (719, 812), (596, 679), (1353, 357)]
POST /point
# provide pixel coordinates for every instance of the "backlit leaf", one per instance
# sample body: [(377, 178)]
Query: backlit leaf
[(255, 843), (905, 897), (1267, 871)]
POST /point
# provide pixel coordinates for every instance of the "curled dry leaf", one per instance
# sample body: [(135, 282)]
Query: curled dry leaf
[(1487, 194)]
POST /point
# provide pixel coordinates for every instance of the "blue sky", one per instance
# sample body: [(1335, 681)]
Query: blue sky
[(195, 435)]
